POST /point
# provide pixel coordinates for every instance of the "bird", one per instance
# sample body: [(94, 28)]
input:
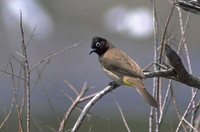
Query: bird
[(121, 68)]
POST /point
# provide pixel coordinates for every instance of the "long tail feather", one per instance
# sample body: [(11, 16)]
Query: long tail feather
[(147, 96)]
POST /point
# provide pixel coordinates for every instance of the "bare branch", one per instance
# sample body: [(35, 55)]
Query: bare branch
[(1, 74), (85, 98), (9, 113), (11, 74), (177, 108), (186, 111), (122, 115), (162, 73), (88, 97), (72, 107), (72, 87), (26, 74), (190, 125), (89, 105), (15, 100), (53, 55), (165, 102), (155, 80), (183, 39)]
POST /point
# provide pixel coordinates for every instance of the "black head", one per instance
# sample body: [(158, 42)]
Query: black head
[(100, 45)]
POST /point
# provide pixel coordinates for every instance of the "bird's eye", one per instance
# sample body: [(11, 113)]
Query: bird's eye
[(98, 44)]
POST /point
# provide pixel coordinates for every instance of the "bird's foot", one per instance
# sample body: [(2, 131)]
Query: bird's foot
[(113, 84)]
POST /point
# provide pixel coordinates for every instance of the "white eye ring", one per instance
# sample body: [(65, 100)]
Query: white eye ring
[(98, 44)]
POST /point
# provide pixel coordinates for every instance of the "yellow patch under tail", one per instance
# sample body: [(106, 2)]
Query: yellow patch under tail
[(133, 82), (139, 85)]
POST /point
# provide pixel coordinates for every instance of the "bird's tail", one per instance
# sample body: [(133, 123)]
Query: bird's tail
[(148, 97)]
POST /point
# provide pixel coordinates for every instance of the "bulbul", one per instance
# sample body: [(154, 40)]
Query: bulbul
[(120, 67)]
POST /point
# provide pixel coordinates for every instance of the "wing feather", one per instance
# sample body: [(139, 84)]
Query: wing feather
[(121, 64)]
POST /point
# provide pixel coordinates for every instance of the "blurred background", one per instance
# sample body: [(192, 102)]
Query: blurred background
[(51, 26)]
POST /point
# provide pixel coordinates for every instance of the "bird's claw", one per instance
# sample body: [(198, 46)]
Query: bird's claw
[(114, 84)]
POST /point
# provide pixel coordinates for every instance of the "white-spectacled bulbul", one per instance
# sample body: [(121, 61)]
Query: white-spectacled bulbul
[(120, 67)]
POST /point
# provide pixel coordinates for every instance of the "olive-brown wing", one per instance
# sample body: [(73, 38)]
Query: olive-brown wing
[(121, 64)]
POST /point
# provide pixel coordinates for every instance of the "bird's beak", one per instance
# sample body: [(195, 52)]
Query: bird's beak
[(92, 50)]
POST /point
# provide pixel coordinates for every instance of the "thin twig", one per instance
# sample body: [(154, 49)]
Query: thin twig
[(183, 30), (26, 75), (52, 107), (4, 71), (71, 87), (72, 107), (80, 100), (165, 103), (122, 114), (191, 126), (53, 55), (89, 105), (164, 34), (37, 124), (16, 101), (186, 111), (177, 108), (87, 97), (9, 113), (39, 75), (32, 35), (66, 95), (155, 29), (158, 89)]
